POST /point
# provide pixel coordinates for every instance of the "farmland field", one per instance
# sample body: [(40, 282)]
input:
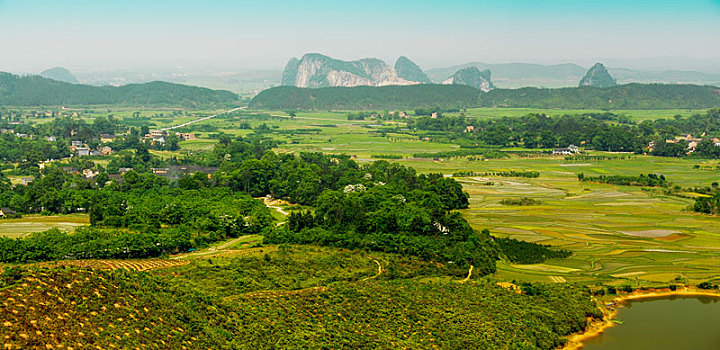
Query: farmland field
[(29, 224), (618, 234)]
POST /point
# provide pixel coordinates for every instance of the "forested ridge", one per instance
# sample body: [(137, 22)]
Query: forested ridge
[(629, 96), (366, 97), (38, 91)]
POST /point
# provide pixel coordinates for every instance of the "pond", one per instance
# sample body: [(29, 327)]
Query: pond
[(663, 323)]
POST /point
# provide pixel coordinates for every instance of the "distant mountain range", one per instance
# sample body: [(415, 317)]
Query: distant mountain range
[(505, 75), (517, 75), (315, 70), (59, 74), (472, 76), (598, 76), (35, 90)]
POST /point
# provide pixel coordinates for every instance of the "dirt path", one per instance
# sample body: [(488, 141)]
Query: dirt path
[(469, 274), (379, 272), (269, 202), (222, 248)]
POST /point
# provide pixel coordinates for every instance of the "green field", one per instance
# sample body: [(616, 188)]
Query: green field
[(618, 234)]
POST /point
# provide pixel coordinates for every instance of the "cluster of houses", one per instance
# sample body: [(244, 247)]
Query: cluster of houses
[(158, 137), (692, 142), (567, 151), (400, 114), (88, 173), (175, 172), (82, 150)]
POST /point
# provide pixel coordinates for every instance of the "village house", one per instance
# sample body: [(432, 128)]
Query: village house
[(27, 180), (76, 143), (470, 128), (107, 138), (570, 150), (158, 139), (124, 170), (88, 173), (185, 136), (106, 151), (50, 138), (7, 213), (70, 170), (83, 151), (175, 172)]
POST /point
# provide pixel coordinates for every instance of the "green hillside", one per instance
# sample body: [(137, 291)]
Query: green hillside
[(38, 91), (365, 97), (630, 96)]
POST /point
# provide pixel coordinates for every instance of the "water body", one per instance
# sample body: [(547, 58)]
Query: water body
[(663, 323)]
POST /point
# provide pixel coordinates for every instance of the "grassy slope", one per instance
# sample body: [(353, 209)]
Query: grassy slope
[(224, 302), (50, 308)]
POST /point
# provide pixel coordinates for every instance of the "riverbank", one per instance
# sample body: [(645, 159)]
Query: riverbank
[(596, 327)]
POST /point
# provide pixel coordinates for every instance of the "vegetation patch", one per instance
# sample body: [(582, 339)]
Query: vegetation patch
[(524, 201), (522, 252)]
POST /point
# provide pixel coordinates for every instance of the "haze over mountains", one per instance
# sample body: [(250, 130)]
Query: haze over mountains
[(504, 75)]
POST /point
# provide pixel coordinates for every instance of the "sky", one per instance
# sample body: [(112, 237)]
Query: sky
[(251, 35)]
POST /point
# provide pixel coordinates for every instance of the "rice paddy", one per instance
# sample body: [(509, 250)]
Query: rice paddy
[(618, 234)]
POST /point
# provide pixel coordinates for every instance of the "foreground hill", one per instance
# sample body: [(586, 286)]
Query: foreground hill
[(74, 308), (284, 297), (630, 96), (38, 91)]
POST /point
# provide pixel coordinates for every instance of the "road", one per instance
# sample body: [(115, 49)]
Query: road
[(201, 119)]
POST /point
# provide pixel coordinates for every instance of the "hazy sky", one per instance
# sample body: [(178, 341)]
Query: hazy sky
[(102, 34)]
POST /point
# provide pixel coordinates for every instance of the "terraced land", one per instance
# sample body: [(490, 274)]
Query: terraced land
[(618, 234)]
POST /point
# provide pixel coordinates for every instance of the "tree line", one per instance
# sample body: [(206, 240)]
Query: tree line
[(598, 131)]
